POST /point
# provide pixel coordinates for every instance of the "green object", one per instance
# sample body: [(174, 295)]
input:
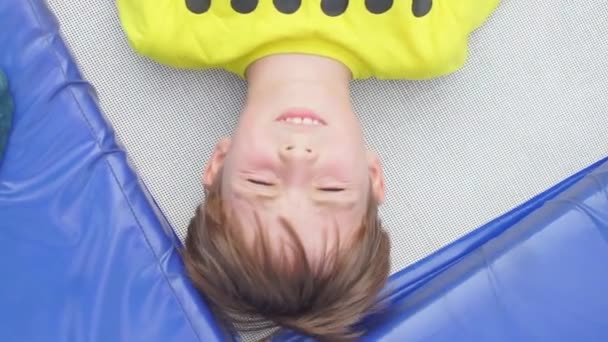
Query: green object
[(6, 113)]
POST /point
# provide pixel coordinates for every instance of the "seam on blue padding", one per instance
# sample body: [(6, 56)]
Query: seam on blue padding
[(92, 132)]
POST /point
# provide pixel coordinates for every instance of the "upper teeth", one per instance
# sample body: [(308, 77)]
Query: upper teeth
[(302, 121)]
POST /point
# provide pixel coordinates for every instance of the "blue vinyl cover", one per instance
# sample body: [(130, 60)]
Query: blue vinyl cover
[(87, 256), (538, 273)]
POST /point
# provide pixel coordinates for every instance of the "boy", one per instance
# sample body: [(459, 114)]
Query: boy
[(289, 229)]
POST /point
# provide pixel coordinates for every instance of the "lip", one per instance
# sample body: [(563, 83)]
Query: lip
[(301, 113)]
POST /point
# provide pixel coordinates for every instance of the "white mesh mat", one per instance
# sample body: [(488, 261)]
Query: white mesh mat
[(528, 110)]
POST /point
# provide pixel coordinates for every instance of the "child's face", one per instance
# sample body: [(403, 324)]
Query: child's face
[(318, 176)]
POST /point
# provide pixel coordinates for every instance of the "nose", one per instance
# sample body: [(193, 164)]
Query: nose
[(295, 153)]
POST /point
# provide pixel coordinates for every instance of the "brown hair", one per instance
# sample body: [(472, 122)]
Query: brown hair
[(251, 288)]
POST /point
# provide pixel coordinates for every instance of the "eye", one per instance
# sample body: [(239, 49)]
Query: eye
[(259, 182), (332, 189)]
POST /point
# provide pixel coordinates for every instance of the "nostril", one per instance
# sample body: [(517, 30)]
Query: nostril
[(288, 148), (308, 150)]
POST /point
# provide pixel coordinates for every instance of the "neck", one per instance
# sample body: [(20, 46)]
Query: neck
[(300, 81)]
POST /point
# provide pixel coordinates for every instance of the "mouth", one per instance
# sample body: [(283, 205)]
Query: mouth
[(301, 117)]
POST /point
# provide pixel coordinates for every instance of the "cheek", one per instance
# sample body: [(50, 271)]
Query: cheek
[(346, 165), (254, 152)]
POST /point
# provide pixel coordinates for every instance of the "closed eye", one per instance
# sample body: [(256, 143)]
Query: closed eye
[(259, 182), (332, 189)]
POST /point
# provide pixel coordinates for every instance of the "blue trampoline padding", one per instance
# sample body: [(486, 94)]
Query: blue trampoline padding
[(538, 273), (85, 254)]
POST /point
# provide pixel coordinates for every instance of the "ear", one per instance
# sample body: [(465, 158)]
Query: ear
[(216, 162), (377, 177)]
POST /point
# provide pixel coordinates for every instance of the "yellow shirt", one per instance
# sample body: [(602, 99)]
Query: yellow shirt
[(387, 39)]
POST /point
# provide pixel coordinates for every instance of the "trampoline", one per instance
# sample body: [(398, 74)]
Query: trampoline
[(497, 182)]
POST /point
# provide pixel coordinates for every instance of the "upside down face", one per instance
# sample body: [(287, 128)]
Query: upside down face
[(298, 155)]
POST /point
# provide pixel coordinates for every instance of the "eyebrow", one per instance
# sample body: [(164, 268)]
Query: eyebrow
[(241, 192), (349, 203)]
